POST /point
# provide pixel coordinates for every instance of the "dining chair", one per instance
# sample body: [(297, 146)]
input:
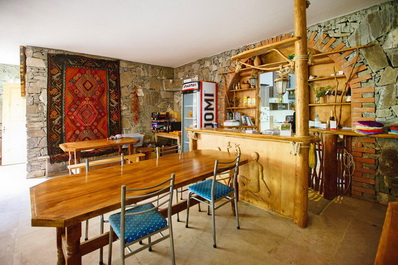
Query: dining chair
[(140, 219), (170, 150), (167, 150), (217, 191), (97, 164)]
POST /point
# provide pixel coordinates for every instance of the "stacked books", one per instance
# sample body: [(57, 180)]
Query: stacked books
[(393, 130), (246, 120), (368, 127), (231, 123)]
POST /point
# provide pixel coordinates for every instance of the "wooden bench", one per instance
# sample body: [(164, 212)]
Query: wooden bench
[(111, 161)]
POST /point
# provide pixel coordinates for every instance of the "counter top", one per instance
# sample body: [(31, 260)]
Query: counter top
[(353, 133), (239, 133)]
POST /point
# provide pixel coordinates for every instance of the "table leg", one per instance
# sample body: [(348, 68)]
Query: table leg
[(60, 254), (71, 158), (130, 149), (73, 254), (77, 157)]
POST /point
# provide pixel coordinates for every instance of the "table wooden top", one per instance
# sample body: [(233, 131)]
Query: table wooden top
[(69, 200), (99, 143)]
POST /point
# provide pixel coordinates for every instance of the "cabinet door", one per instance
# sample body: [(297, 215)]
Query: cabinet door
[(190, 115)]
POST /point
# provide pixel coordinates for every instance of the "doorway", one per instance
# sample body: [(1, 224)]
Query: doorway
[(14, 148)]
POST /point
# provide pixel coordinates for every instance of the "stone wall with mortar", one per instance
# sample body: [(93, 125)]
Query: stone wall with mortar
[(374, 87), (8, 74), (145, 81)]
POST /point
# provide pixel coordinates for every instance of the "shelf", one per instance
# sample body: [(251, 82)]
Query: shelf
[(241, 90), (232, 108), (326, 78), (342, 50), (327, 104), (266, 48), (240, 126), (265, 67), (353, 133)]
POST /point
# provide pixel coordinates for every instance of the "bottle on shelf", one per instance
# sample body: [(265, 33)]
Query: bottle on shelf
[(348, 94), (245, 101), (332, 121), (317, 122)]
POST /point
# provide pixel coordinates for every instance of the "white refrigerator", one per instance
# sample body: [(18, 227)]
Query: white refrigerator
[(199, 107)]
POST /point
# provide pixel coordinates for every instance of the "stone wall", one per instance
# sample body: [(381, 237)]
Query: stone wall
[(374, 83), (145, 81), (8, 74)]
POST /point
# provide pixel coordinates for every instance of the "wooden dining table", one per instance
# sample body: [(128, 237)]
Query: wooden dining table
[(75, 148), (65, 202)]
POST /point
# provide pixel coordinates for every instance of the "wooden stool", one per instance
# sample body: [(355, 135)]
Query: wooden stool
[(147, 151)]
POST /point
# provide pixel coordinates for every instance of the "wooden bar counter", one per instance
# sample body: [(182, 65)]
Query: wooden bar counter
[(270, 178)]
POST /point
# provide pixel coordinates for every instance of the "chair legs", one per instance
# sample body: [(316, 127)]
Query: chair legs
[(172, 253), (212, 210), (236, 212), (110, 246), (213, 227), (178, 214), (188, 206), (101, 252)]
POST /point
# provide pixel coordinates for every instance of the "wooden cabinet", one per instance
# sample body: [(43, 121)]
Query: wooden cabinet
[(327, 75), (243, 105)]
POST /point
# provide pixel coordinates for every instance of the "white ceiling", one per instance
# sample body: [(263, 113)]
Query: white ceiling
[(160, 32)]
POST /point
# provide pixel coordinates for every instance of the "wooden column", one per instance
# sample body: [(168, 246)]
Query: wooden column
[(330, 166), (300, 217)]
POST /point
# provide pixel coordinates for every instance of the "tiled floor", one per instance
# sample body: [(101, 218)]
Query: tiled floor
[(347, 231)]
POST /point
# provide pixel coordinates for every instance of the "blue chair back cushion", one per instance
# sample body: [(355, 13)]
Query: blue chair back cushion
[(140, 225), (203, 189)]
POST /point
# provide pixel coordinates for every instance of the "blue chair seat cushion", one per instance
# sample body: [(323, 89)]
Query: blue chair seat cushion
[(140, 225), (203, 189)]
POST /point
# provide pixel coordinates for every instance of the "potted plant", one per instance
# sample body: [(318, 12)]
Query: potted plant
[(320, 92)]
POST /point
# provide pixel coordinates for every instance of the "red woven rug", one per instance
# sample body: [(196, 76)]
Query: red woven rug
[(83, 102)]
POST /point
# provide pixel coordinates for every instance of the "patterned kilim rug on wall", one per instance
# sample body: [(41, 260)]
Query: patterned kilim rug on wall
[(83, 102)]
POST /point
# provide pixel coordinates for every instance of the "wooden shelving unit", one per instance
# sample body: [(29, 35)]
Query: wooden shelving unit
[(236, 95), (328, 104), (266, 48), (241, 108), (241, 90), (335, 104), (342, 50), (326, 78), (240, 126)]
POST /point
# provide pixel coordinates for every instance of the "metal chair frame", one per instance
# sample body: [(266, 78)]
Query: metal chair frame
[(102, 219), (227, 172), (158, 198), (170, 150), (167, 150)]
